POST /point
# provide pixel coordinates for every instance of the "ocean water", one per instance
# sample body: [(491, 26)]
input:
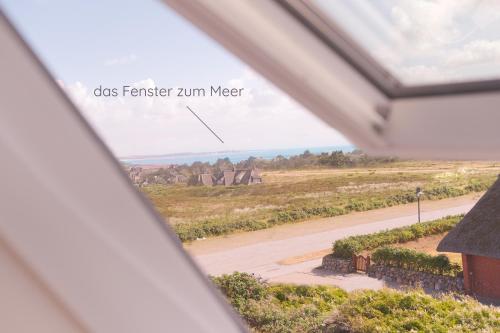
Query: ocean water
[(234, 156)]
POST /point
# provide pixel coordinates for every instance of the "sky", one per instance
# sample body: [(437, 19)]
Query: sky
[(87, 44)]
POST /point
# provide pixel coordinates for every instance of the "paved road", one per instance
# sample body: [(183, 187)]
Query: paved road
[(262, 258)]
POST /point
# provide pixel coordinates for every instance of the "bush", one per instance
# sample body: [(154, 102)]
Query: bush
[(269, 317), (415, 261), (395, 311), (279, 308), (239, 288), (347, 247)]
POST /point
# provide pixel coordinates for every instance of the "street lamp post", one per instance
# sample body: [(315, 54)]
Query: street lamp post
[(419, 193)]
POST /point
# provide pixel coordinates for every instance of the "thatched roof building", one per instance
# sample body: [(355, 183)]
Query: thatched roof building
[(228, 177), (479, 231), (239, 177), (206, 179), (477, 238)]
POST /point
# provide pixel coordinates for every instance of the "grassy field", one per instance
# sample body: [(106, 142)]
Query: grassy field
[(288, 196)]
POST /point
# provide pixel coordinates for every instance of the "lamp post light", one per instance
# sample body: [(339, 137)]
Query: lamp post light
[(419, 193)]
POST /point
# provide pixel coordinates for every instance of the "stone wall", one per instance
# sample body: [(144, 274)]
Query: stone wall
[(427, 281), (337, 265)]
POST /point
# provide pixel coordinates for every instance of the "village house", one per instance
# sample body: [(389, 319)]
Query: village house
[(205, 179), (135, 174), (477, 238), (177, 179), (231, 177), (240, 177), (166, 175)]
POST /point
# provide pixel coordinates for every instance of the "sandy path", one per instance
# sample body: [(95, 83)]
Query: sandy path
[(287, 231)]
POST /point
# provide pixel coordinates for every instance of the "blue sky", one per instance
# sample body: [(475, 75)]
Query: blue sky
[(77, 38), (143, 43)]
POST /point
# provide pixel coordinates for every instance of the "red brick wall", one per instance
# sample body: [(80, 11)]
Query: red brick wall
[(482, 276)]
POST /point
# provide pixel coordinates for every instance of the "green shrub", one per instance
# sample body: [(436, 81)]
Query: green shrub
[(239, 288), (353, 245), (279, 308), (266, 316), (416, 261), (395, 311), (346, 248)]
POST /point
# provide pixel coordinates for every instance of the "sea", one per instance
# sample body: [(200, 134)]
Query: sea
[(234, 156)]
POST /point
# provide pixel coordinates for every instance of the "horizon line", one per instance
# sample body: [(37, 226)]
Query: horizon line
[(227, 151)]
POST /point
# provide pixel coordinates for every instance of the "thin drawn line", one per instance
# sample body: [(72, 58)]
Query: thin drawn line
[(204, 124)]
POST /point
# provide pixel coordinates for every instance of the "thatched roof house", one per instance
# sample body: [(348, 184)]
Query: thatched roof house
[(247, 177), (477, 237), (255, 177), (206, 179), (228, 177), (479, 231), (231, 177)]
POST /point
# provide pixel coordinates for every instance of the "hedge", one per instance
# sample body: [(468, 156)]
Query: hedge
[(347, 247), (415, 261)]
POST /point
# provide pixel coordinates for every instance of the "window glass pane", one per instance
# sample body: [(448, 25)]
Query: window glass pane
[(424, 42)]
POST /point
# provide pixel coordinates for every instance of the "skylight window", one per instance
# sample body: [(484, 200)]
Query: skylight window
[(423, 42)]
